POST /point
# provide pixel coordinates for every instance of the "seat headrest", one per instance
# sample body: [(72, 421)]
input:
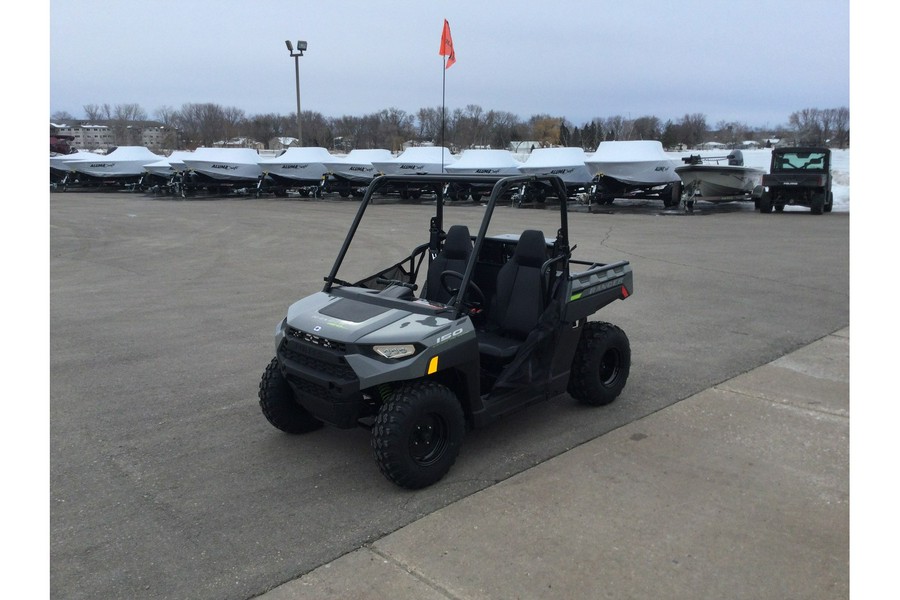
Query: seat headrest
[(458, 243), (531, 251)]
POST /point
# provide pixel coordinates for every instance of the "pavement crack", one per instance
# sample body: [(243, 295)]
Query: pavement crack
[(413, 572)]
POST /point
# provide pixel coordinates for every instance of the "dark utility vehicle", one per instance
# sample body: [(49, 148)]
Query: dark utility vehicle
[(501, 323), (798, 176)]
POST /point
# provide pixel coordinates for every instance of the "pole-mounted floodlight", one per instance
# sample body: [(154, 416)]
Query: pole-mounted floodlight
[(301, 48)]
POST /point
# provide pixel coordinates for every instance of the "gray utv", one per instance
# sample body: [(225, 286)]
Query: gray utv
[(501, 323)]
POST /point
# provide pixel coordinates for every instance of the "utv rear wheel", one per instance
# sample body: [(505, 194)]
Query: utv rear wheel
[(418, 433), (817, 205), (601, 364), (765, 203), (276, 399)]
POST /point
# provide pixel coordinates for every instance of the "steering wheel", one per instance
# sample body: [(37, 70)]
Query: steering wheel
[(473, 287)]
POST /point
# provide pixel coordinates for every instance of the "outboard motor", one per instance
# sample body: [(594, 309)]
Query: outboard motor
[(736, 159)]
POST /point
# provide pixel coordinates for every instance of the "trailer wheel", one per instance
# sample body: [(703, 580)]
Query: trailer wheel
[(601, 364), (418, 433), (276, 399), (672, 196)]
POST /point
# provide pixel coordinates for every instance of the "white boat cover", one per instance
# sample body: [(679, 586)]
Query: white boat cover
[(485, 161), (124, 161), (638, 162), (228, 164), (169, 165), (417, 160), (568, 163), (301, 164), (57, 161), (358, 163)]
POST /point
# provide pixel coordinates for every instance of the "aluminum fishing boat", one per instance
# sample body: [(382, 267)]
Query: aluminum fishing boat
[(719, 178)]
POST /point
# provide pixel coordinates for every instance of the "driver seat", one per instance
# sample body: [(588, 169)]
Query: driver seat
[(454, 256), (519, 301)]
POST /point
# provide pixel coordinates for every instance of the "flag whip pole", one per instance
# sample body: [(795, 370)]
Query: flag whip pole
[(443, 103)]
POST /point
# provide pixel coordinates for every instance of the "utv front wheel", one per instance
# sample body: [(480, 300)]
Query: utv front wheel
[(417, 434), (601, 364), (276, 399)]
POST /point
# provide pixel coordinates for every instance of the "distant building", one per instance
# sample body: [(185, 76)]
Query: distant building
[(103, 137), (87, 137), (282, 143), (239, 142), (524, 146)]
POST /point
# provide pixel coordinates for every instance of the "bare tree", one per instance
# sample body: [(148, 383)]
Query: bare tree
[(92, 112), (692, 130), (807, 125), (202, 124), (505, 127), (166, 115), (61, 116), (618, 128), (263, 128), (124, 120), (842, 126), (646, 128), (429, 124), (395, 127)]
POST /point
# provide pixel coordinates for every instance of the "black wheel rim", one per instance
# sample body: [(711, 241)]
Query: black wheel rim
[(428, 439), (610, 365)]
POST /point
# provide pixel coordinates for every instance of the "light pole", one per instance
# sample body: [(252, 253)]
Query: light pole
[(301, 48)]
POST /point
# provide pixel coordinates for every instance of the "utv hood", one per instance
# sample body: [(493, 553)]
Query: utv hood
[(351, 320)]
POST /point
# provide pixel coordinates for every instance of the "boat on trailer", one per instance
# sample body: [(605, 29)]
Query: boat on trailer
[(567, 163), (221, 170), (164, 176), (353, 173), (300, 168), (480, 161), (638, 169), (58, 167), (121, 167), (123, 162), (417, 160), (719, 178)]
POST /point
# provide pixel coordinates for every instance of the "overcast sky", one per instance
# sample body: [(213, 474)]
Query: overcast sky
[(751, 61)]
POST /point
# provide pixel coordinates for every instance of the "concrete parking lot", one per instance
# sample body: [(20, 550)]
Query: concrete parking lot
[(167, 482)]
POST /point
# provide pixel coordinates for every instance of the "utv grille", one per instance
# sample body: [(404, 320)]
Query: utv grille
[(332, 370), (316, 340)]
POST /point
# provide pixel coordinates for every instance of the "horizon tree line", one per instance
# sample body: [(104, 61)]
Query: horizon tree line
[(204, 124)]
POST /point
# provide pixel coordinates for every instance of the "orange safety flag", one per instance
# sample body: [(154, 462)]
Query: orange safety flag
[(447, 45)]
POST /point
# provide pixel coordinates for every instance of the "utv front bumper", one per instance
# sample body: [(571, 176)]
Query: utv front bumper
[(323, 382)]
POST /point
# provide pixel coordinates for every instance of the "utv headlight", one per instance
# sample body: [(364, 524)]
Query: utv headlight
[(395, 350)]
